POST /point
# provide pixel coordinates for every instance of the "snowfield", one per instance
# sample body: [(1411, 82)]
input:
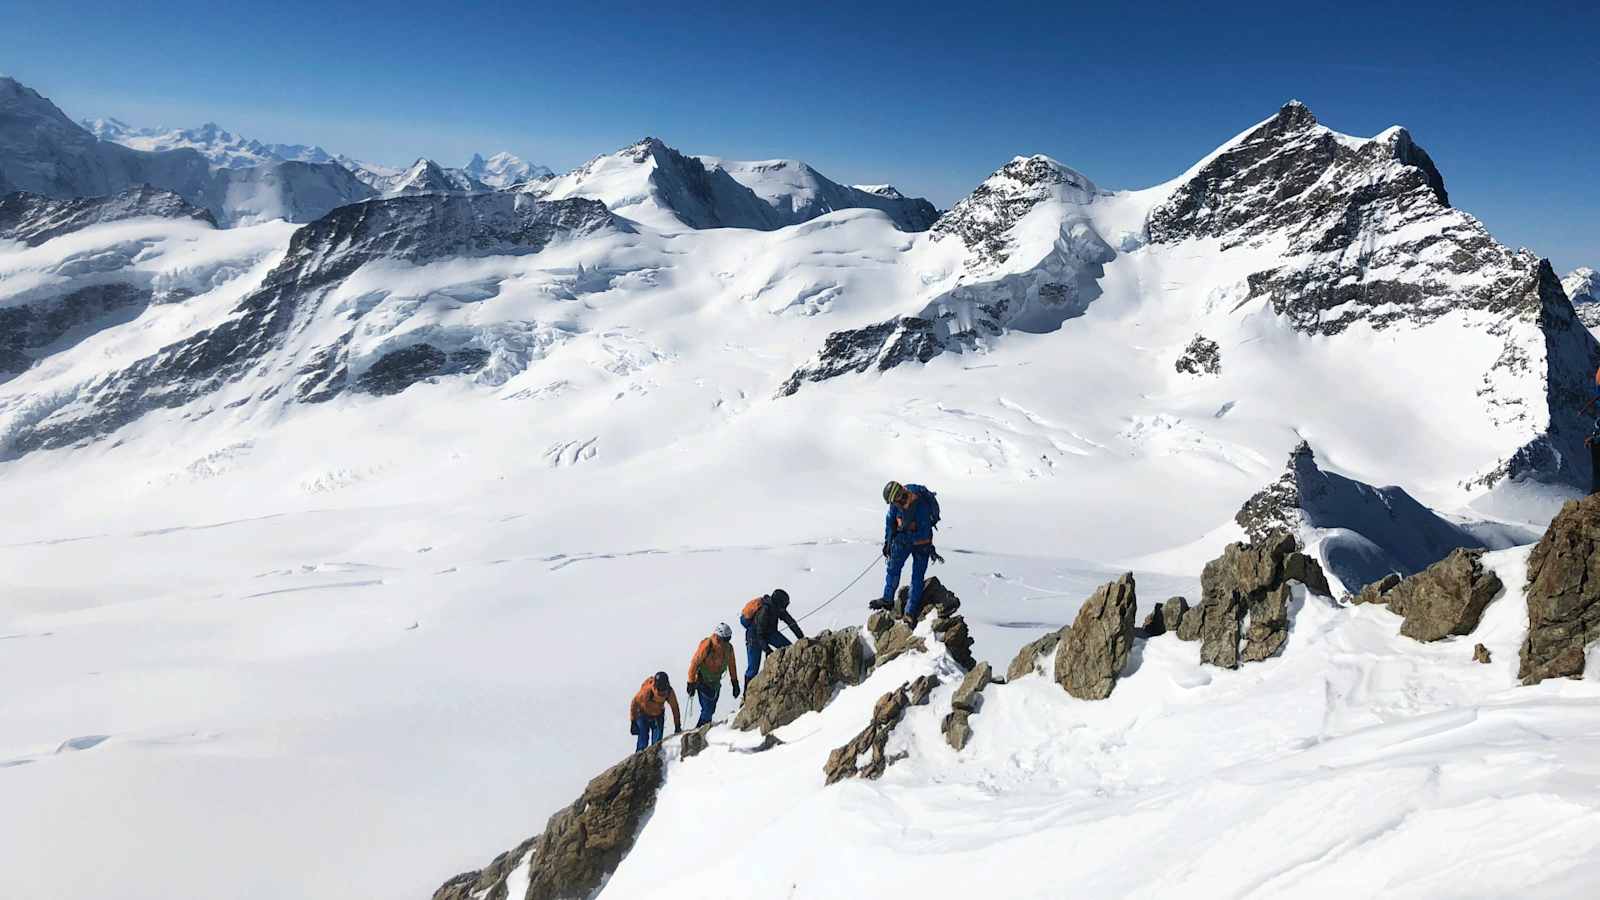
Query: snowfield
[(259, 646)]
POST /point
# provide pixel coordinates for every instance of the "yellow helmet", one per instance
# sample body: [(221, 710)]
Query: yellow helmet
[(893, 491)]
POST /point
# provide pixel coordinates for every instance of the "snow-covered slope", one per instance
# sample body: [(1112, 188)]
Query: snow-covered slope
[(800, 193), (43, 152), (427, 177), (1583, 289), (502, 170), (342, 517), (220, 147)]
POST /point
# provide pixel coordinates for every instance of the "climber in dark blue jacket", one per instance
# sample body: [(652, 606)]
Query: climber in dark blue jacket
[(907, 534)]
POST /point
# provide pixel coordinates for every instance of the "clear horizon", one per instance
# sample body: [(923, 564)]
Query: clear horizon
[(931, 98)]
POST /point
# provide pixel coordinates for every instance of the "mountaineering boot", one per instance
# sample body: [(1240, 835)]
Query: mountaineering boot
[(880, 603)]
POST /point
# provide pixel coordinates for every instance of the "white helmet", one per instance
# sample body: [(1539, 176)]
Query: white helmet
[(723, 631)]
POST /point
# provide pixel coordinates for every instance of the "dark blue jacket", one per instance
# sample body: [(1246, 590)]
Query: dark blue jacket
[(914, 525)]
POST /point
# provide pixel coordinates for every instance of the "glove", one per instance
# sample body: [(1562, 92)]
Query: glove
[(633, 727), (935, 554), (694, 689), (885, 549), (735, 690), (677, 728)]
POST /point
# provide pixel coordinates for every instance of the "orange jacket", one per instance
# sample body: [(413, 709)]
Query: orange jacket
[(710, 660), (649, 702)]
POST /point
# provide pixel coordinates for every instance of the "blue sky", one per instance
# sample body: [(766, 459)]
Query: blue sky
[(931, 96)]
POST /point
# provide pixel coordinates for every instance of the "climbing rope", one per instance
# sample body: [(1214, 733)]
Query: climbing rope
[(875, 560)]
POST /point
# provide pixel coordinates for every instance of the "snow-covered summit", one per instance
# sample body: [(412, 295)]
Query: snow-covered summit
[(428, 177), (800, 193), (221, 147), (502, 170)]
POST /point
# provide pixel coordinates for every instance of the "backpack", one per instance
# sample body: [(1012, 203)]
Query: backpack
[(932, 500)]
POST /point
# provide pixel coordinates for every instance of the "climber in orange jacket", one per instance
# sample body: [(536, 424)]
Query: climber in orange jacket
[(713, 657), (647, 711)]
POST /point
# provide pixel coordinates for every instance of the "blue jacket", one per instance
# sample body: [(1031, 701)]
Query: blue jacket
[(914, 525)]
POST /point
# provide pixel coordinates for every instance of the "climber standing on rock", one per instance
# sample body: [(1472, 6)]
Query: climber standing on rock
[(907, 534), (713, 657), (647, 712), (760, 618)]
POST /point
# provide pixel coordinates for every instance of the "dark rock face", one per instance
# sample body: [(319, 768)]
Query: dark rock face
[(802, 678), (1154, 624), (1563, 594), (1201, 357), (986, 304), (320, 256), (983, 217), (1093, 653), (882, 346), (399, 369), (1384, 529), (582, 844), (34, 219), (1027, 659), (27, 329), (1447, 598), (1249, 581), (966, 703), (1369, 236), (846, 761)]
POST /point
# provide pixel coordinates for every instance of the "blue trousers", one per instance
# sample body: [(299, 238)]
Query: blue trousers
[(650, 729), (899, 552), (707, 694), (755, 648)]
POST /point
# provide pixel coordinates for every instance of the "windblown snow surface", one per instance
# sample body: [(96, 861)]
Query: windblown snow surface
[(256, 649)]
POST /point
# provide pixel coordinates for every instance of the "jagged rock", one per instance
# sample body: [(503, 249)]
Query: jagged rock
[(1154, 625), (582, 844), (891, 637), (845, 761), (1447, 598), (1563, 594), (34, 219), (949, 628), (693, 741), (1480, 653), (1249, 581), (1201, 357), (488, 883), (1027, 659), (969, 693), (1173, 612), (1093, 654), (802, 678), (957, 728), (1378, 591)]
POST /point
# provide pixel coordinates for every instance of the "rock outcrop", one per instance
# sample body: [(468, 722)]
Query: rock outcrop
[(1249, 583), (1026, 662), (1173, 612), (694, 741), (891, 637), (1447, 598), (802, 678), (967, 701), (1093, 653), (1480, 654), (1201, 357), (582, 844), (949, 628), (1563, 594), (865, 755), (34, 219)]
